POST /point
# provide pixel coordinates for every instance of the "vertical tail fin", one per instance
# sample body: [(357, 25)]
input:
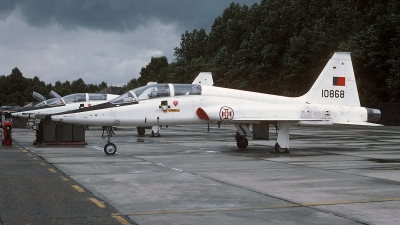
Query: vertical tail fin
[(336, 84), (204, 78)]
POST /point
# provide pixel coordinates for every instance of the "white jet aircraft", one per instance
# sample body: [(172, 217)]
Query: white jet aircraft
[(333, 99), (64, 104)]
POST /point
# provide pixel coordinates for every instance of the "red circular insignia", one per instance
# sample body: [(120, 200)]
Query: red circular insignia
[(226, 113)]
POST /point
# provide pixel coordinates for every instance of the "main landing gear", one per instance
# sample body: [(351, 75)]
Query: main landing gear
[(241, 141), (279, 150), (155, 131), (109, 148), (282, 142), (141, 130), (155, 134)]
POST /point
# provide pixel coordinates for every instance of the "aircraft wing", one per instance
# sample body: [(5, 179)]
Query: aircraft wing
[(359, 123), (257, 114), (240, 120), (302, 121)]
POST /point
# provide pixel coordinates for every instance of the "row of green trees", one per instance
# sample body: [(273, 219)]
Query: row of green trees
[(277, 47), (16, 89), (280, 47)]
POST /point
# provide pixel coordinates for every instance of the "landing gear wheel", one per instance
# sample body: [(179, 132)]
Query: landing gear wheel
[(154, 134), (242, 142), (141, 130), (110, 149), (280, 150)]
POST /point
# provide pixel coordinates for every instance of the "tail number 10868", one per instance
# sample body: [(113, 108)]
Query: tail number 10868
[(332, 93)]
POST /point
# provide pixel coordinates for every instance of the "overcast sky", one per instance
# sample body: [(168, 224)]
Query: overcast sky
[(96, 40)]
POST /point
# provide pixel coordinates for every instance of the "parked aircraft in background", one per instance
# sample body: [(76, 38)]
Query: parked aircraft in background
[(38, 97), (42, 100), (333, 99), (54, 94), (66, 103)]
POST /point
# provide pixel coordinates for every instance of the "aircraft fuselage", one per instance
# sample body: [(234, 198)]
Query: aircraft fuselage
[(241, 106)]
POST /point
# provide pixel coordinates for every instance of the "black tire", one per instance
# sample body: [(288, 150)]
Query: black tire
[(280, 150), (154, 134), (141, 130), (110, 149), (242, 142)]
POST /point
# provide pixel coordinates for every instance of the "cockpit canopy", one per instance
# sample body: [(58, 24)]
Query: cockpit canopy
[(156, 91), (81, 97), (187, 89), (50, 102)]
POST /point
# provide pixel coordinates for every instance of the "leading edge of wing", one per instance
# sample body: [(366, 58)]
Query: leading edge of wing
[(305, 121), (274, 119), (359, 123)]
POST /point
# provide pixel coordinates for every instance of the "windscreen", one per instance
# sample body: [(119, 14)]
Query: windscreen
[(125, 98), (54, 102)]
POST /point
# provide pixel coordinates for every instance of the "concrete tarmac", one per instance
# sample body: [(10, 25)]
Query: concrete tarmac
[(333, 175), (35, 192)]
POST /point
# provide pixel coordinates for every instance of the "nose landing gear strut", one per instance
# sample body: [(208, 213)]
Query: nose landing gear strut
[(109, 148)]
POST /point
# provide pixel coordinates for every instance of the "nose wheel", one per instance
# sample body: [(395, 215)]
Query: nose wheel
[(110, 149)]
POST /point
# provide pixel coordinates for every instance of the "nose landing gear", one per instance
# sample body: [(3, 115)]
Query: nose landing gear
[(109, 148)]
